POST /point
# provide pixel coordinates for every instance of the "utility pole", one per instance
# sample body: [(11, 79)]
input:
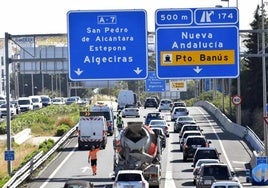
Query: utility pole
[(264, 78)]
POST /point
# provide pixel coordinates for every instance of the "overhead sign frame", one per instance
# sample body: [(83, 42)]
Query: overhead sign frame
[(197, 43), (108, 45)]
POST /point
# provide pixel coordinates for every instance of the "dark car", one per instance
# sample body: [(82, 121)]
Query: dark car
[(212, 172), (182, 120), (191, 144), (206, 153), (178, 104), (161, 135), (186, 134), (152, 115), (150, 103)]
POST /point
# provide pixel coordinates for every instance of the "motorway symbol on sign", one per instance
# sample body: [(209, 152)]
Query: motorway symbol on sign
[(153, 84), (107, 45), (208, 48)]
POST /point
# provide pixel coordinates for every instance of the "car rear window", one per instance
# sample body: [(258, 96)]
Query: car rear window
[(211, 154), (196, 141), (129, 177), (218, 172)]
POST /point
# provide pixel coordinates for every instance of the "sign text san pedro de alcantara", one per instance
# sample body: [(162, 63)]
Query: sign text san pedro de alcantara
[(107, 45)]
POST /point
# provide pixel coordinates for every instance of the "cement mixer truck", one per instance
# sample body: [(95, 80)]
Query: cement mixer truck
[(138, 148)]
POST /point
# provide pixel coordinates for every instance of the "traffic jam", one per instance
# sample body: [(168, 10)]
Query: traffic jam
[(139, 146)]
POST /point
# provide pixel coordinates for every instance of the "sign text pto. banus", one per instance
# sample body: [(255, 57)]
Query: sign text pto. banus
[(107, 45), (197, 43)]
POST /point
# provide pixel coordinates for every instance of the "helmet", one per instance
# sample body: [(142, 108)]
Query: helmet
[(93, 147)]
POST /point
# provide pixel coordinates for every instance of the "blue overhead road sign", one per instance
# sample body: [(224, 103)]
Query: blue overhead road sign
[(107, 45), (154, 84), (203, 44)]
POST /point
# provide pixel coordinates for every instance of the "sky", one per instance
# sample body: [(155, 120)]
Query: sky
[(19, 17)]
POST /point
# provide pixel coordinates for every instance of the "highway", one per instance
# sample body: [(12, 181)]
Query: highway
[(72, 163)]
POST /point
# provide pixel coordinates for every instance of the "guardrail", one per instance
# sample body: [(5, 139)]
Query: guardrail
[(244, 132), (35, 162)]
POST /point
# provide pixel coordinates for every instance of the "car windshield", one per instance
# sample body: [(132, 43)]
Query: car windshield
[(129, 177)]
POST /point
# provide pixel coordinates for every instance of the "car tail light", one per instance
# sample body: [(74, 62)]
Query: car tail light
[(196, 171), (143, 184)]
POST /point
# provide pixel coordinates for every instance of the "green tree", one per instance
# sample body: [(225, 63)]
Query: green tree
[(251, 76)]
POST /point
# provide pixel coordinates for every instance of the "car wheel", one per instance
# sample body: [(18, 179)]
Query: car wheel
[(184, 158)]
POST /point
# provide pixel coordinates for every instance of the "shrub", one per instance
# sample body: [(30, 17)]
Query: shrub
[(46, 145), (61, 130)]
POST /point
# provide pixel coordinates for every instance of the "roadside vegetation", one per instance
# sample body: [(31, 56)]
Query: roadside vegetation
[(54, 120)]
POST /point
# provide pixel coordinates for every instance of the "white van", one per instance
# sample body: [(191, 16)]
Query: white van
[(106, 110), (25, 104), (37, 102), (125, 97), (92, 131)]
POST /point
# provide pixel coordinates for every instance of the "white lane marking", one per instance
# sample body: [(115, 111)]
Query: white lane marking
[(240, 162), (169, 182), (58, 168), (220, 142)]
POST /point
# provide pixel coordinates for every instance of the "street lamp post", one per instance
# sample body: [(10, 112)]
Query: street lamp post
[(264, 77)]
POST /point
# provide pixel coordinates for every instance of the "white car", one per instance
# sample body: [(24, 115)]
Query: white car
[(58, 101), (198, 164), (160, 123), (3, 110), (226, 184), (179, 111), (165, 104), (131, 110), (130, 178)]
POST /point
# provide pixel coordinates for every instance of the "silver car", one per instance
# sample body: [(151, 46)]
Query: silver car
[(179, 111)]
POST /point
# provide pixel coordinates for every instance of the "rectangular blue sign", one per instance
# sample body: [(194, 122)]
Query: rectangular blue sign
[(174, 17), (9, 155), (154, 84), (107, 45), (208, 48), (213, 16)]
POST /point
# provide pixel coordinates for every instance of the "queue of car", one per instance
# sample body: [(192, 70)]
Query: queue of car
[(208, 170)]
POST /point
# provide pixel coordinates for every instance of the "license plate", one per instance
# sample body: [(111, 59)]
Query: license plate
[(207, 182)]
